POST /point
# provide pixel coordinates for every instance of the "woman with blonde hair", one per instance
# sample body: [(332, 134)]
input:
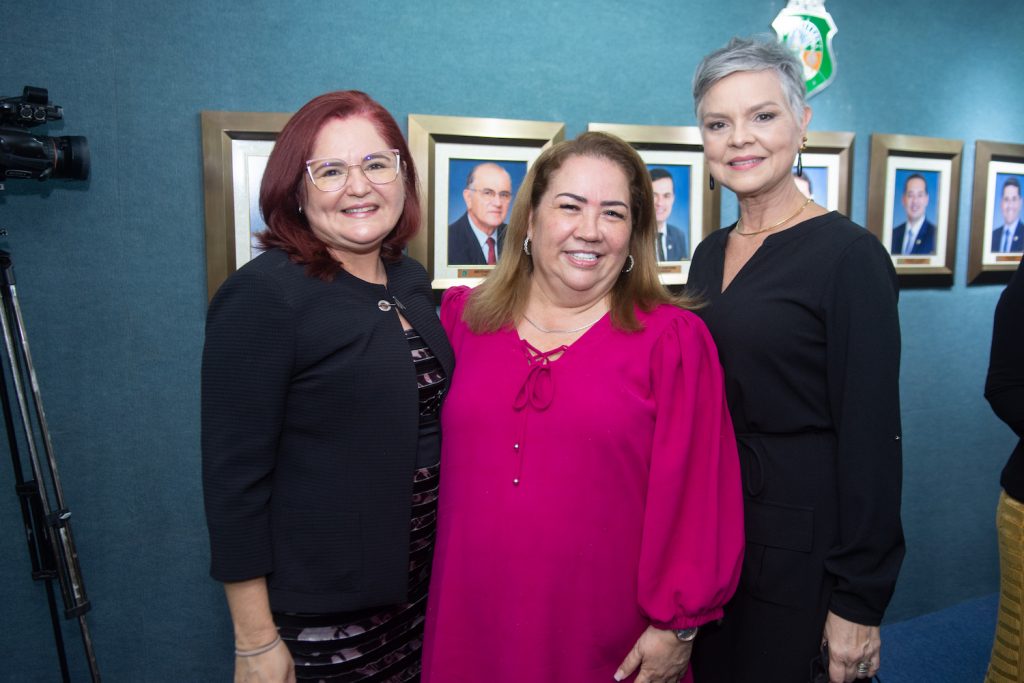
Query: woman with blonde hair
[(590, 519)]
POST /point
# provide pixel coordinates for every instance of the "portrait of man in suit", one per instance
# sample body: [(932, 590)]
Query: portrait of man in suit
[(475, 238), (1009, 237), (916, 235), (673, 243)]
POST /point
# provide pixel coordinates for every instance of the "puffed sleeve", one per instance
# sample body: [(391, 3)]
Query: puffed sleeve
[(453, 302), (863, 368), (692, 545), (247, 367)]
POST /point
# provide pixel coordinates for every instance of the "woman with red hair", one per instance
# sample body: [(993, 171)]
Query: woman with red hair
[(323, 371)]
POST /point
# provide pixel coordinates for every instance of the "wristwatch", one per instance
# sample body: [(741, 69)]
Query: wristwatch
[(686, 634)]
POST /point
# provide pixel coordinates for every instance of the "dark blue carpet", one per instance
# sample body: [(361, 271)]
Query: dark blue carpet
[(949, 646)]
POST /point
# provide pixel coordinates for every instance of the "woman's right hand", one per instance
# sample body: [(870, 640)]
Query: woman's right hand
[(273, 666)]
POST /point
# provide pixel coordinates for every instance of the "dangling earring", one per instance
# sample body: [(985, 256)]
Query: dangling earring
[(711, 182), (800, 158), (526, 245), (630, 266)]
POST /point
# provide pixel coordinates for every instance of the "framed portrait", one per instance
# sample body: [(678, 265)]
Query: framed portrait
[(827, 164), (236, 146), (686, 208), (997, 231), (913, 197), (470, 170)]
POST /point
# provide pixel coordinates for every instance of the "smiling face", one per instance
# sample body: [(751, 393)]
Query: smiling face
[(580, 230), (1011, 204), (664, 198), (356, 218), (751, 135), (488, 199), (915, 199)]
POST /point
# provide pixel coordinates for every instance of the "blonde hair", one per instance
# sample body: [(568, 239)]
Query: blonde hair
[(501, 300)]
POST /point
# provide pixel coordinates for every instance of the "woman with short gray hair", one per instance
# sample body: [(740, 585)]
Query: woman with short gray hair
[(802, 304)]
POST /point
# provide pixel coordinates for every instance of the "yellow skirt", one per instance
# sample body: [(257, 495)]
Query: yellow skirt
[(1007, 663)]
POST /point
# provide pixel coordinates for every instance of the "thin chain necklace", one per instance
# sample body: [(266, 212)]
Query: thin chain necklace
[(796, 213), (572, 331)]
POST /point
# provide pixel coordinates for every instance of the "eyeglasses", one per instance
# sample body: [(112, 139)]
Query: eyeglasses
[(330, 175), (490, 194)]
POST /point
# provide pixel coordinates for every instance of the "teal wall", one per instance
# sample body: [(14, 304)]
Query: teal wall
[(111, 272)]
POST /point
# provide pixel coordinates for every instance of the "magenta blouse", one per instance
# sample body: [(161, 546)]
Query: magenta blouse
[(582, 499)]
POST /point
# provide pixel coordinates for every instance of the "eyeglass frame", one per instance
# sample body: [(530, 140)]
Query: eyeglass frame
[(495, 194), (398, 169)]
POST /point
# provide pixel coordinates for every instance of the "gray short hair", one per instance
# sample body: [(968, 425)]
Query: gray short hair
[(752, 54)]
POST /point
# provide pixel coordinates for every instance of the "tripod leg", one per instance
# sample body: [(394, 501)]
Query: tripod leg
[(56, 558), (58, 636)]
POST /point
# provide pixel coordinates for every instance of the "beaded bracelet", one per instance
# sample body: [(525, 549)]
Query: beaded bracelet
[(260, 650)]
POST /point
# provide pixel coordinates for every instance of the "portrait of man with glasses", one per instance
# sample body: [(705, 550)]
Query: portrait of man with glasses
[(476, 237)]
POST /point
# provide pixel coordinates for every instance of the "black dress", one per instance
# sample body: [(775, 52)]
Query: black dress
[(383, 644), (808, 335)]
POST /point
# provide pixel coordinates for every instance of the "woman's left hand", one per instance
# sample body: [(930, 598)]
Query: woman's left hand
[(661, 656), (849, 645)]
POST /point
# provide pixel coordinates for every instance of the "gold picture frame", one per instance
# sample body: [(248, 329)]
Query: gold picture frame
[(230, 141), (441, 143), (677, 151), (994, 163), (929, 258)]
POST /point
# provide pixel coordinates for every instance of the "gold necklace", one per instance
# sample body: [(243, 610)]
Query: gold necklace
[(572, 331), (739, 221)]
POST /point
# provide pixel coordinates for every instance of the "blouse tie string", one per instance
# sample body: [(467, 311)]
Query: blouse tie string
[(537, 391)]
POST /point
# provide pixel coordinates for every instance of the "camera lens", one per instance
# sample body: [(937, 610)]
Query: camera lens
[(72, 159)]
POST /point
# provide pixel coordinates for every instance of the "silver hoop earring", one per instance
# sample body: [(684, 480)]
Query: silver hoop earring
[(526, 246), (630, 266)]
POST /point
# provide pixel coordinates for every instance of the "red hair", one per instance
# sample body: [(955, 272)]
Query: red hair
[(283, 181)]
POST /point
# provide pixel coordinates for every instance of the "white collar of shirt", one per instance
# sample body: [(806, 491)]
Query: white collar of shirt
[(912, 229), (482, 236), (1008, 233)]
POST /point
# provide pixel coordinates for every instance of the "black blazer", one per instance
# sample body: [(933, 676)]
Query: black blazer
[(310, 430), (678, 243), (1004, 384), (463, 247)]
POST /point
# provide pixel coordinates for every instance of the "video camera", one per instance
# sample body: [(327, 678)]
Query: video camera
[(23, 155)]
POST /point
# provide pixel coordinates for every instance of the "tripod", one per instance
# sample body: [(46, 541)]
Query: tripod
[(47, 519)]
